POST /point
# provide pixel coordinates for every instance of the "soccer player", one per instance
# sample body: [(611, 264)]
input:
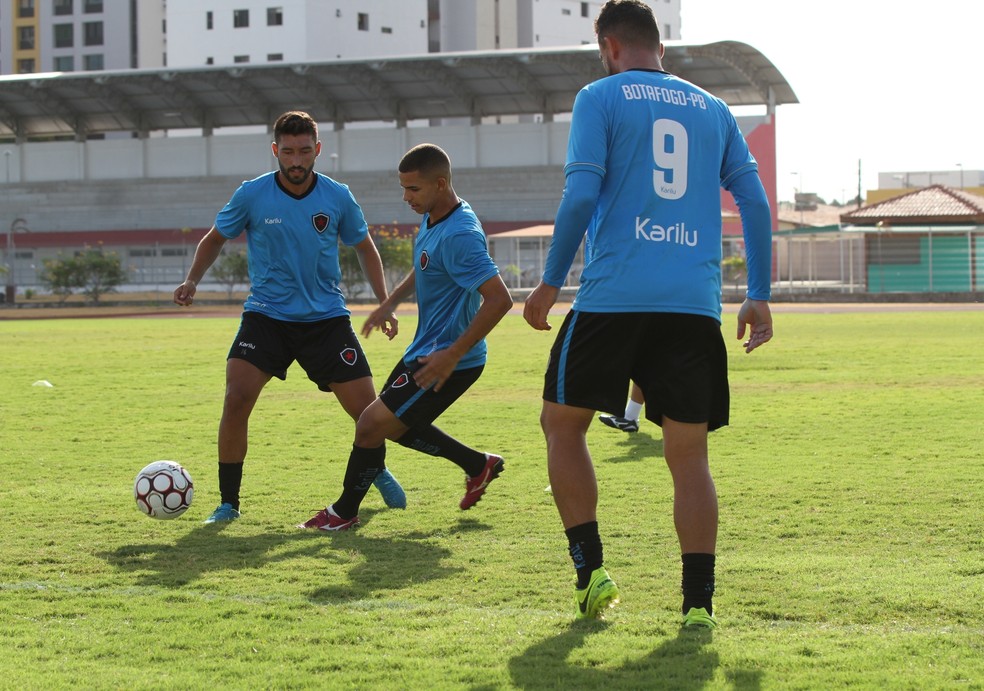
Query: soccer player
[(293, 218), (460, 298), (629, 422), (646, 156)]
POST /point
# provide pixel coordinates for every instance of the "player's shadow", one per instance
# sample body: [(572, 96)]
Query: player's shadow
[(682, 662), (209, 548), (635, 447)]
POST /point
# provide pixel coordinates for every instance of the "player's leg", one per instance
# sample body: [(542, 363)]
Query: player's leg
[(257, 354), (418, 408), (588, 371), (695, 515), (332, 356)]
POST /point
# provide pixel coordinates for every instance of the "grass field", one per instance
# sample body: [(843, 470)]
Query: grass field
[(850, 555)]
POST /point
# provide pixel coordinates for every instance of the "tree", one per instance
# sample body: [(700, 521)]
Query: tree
[(733, 268), (395, 251), (92, 271), (232, 268)]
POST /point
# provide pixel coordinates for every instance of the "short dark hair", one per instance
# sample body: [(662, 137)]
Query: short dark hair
[(295, 122), (428, 159), (630, 21)]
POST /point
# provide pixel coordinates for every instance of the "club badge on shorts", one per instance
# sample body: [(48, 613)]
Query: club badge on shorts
[(349, 356), (401, 381), (320, 222)]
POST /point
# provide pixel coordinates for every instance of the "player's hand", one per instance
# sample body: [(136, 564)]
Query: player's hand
[(184, 294), (757, 315), (437, 368), (538, 304), (383, 319)]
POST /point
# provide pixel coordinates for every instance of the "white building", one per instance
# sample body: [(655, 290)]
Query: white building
[(80, 35), (226, 32)]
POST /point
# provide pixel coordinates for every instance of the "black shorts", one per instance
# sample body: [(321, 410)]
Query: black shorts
[(327, 350), (415, 407), (678, 360)]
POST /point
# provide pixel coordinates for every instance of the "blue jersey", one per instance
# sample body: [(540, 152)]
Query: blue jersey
[(663, 148), (451, 261), (293, 245)]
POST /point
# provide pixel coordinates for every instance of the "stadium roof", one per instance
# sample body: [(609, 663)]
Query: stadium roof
[(439, 85)]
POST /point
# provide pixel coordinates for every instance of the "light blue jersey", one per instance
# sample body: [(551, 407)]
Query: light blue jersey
[(663, 148), (293, 245), (451, 261)]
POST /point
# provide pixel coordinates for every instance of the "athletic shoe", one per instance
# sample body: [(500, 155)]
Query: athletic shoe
[(327, 519), (475, 486), (698, 616), (601, 593), (222, 513), (390, 488), (622, 423)]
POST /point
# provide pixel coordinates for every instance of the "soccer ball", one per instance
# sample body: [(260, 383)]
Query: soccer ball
[(163, 490)]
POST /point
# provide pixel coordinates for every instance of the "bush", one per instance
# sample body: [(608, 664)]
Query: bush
[(92, 271)]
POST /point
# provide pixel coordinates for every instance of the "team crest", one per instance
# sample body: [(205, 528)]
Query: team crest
[(320, 222), (401, 381), (424, 260), (349, 356)]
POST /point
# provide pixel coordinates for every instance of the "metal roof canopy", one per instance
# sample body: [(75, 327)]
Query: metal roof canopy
[(398, 89)]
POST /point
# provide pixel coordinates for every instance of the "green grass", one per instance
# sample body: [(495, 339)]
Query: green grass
[(850, 555)]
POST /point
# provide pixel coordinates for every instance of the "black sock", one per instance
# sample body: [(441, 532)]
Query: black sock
[(363, 467), (432, 441), (698, 581), (584, 546), (230, 480)]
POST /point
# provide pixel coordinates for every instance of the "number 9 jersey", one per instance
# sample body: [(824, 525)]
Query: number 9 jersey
[(664, 148)]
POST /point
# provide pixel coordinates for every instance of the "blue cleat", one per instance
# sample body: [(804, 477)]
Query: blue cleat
[(389, 487), (222, 513)]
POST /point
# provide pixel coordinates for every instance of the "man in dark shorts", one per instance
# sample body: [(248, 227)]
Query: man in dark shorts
[(647, 155), (293, 218), (460, 299)]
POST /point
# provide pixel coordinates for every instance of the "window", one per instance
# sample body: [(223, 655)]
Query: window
[(338, 13), (93, 33), (584, 9), (93, 63), (208, 20), (63, 36), (25, 38), (240, 58), (66, 63), (275, 57), (63, 7), (566, 12), (25, 66), (387, 29), (93, 6), (240, 19), (142, 252), (209, 61), (275, 16), (363, 21), (668, 34), (25, 8), (174, 251)]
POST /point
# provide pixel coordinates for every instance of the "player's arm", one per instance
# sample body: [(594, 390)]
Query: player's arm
[(577, 205), (372, 267), (439, 365), (756, 223), (208, 250)]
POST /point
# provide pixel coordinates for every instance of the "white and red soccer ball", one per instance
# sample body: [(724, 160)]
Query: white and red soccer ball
[(163, 489)]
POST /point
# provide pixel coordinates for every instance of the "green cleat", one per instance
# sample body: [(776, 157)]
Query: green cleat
[(698, 616), (601, 593)]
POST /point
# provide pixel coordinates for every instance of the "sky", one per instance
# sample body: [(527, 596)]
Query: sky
[(895, 84)]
